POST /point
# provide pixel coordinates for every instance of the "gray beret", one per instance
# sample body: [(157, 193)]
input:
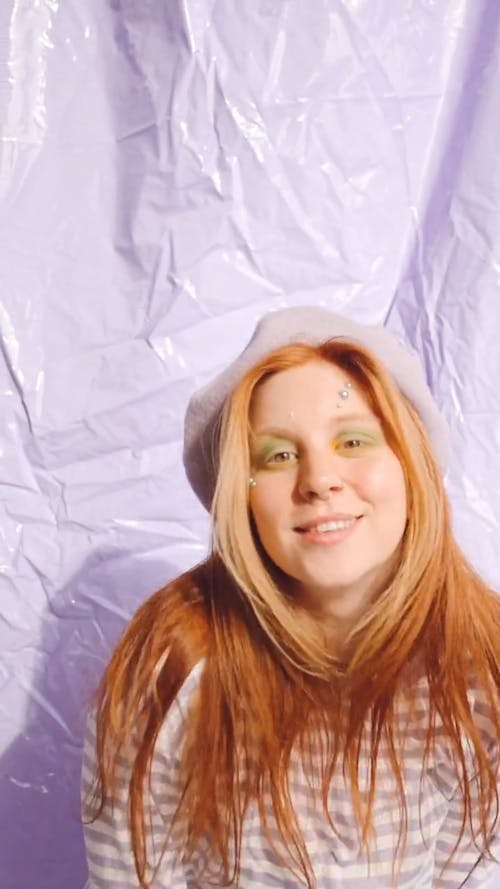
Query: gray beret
[(311, 324)]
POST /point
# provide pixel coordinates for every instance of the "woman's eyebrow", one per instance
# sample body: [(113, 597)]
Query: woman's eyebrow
[(274, 432), (358, 417), (336, 420)]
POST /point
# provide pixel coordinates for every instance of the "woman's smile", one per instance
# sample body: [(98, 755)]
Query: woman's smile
[(329, 533)]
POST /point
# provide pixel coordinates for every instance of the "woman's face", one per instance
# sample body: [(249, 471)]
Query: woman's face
[(329, 502)]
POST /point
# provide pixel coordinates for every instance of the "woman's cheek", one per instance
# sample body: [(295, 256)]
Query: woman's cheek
[(385, 480)]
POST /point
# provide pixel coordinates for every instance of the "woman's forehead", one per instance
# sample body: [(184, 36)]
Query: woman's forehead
[(315, 391)]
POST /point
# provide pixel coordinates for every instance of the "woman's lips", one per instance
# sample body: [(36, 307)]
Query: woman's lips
[(328, 538)]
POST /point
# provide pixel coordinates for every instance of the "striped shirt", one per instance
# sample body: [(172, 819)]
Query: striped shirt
[(337, 859)]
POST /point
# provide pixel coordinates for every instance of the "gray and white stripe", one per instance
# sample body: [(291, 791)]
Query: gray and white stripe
[(337, 860)]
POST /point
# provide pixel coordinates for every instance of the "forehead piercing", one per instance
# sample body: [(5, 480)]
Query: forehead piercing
[(344, 393), (252, 482)]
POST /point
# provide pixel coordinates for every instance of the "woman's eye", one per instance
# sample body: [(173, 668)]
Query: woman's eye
[(282, 457), (353, 443)]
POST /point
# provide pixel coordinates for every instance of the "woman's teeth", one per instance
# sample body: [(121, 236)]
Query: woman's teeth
[(332, 526)]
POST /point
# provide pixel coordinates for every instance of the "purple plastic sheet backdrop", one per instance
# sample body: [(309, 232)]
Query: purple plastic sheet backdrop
[(170, 170)]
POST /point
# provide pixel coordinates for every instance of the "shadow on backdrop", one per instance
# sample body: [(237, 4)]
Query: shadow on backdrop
[(40, 770)]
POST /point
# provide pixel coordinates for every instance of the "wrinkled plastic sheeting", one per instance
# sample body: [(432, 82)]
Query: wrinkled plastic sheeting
[(170, 170)]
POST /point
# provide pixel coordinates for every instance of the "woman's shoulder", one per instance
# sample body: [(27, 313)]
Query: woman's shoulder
[(155, 663), (173, 729), (182, 597), (170, 624), (421, 694)]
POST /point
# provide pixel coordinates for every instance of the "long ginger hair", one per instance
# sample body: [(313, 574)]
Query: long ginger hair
[(270, 683)]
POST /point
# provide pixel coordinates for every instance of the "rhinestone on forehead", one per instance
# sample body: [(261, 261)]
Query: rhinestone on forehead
[(344, 393)]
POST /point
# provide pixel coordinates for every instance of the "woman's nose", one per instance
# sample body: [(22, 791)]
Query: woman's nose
[(320, 474)]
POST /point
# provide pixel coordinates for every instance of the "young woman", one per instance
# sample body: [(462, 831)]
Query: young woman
[(316, 704)]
